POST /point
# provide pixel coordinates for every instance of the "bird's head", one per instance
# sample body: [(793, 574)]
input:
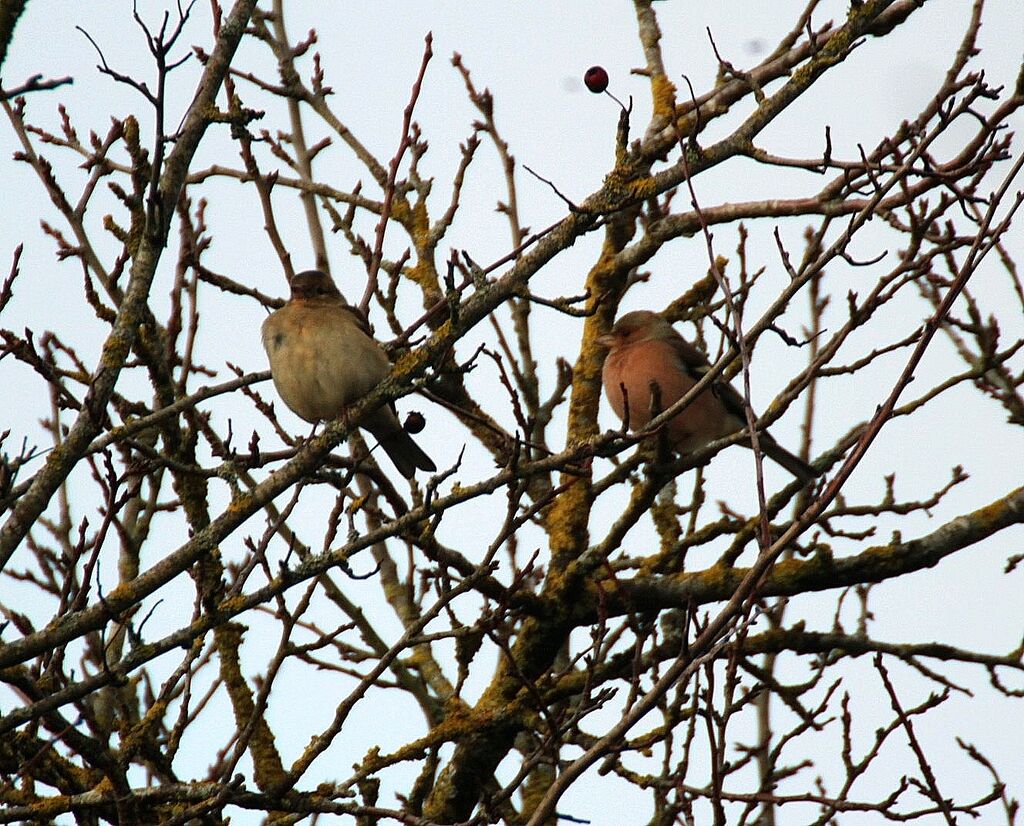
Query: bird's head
[(313, 285), (639, 325)]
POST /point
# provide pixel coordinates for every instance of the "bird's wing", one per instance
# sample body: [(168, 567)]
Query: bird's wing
[(696, 364), (693, 361), (359, 318)]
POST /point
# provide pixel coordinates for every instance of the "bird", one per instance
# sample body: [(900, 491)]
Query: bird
[(644, 348), (323, 358)]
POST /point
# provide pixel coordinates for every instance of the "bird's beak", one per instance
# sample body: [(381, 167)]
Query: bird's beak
[(607, 340)]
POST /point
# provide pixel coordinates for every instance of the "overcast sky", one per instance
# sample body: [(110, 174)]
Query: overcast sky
[(532, 57)]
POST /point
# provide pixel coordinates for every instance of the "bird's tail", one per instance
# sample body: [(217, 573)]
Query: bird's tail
[(794, 464), (398, 444), (407, 455)]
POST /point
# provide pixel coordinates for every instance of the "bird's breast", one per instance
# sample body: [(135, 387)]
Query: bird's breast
[(629, 372), (320, 360), (628, 375)]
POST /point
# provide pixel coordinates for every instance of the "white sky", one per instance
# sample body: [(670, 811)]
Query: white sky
[(532, 57)]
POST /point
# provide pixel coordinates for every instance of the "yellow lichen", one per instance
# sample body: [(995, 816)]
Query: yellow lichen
[(663, 96)]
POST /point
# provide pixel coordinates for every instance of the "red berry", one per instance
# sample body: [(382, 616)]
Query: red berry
[(596, 79), (414, 422)]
